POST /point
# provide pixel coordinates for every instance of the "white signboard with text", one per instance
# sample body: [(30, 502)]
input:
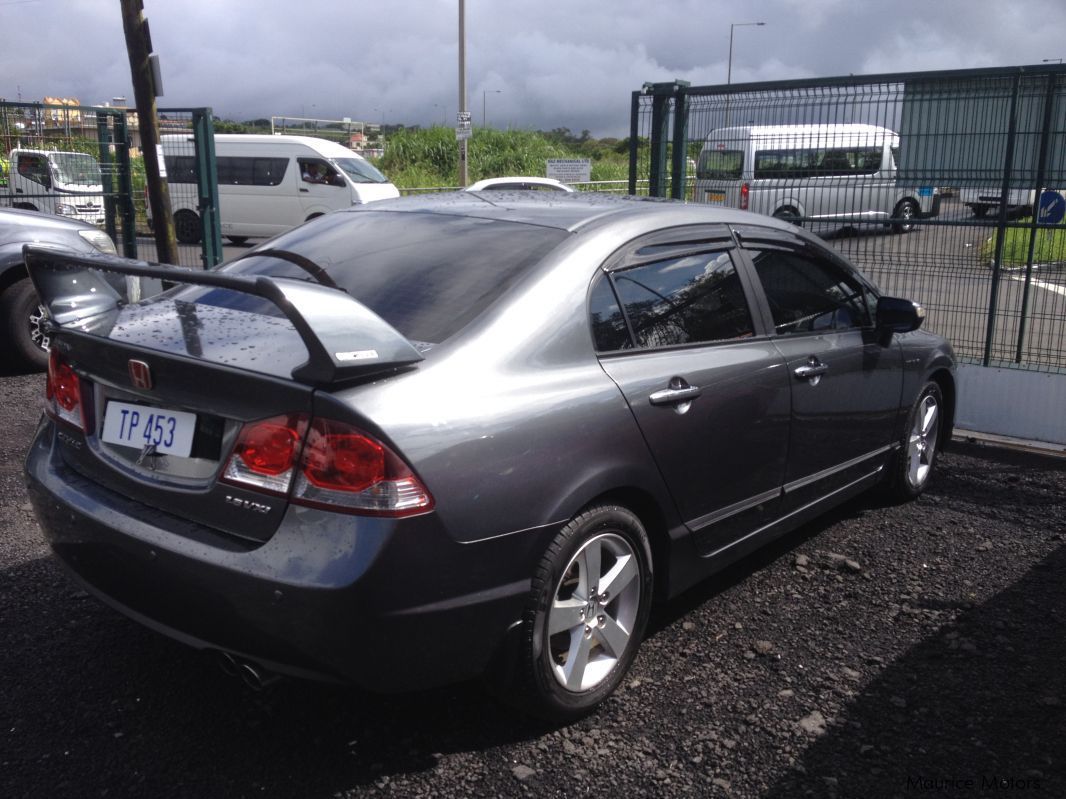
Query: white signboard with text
[(570, 170)]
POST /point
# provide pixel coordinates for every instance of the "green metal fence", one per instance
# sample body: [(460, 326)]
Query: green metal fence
[(977, 173), (72, 161)]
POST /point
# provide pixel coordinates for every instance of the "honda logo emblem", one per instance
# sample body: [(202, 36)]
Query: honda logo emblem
[(140, 374)]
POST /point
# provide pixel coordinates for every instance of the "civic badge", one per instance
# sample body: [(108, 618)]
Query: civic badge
[(140, 374)]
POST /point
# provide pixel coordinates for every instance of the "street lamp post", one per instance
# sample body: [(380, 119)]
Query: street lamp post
[(732, 25), (729, 65), (484, 114)]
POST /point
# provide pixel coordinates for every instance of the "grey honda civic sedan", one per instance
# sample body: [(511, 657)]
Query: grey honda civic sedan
[(435, 438)]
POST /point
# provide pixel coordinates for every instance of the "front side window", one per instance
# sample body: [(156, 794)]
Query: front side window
[(808, 294), (684, 300), (315, 170)]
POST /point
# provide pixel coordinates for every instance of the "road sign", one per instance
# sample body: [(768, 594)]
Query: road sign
[(462, 132), (1052, 208), (463, 118)]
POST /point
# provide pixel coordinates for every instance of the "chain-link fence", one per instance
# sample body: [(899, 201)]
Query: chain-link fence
[(969, 166)]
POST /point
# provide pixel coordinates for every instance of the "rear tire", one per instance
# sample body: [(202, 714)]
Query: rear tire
[(913, 463), (585, 615), (238, 240), (980, 211), (22, 325), (790, 215), (187, 227), (906, 212)]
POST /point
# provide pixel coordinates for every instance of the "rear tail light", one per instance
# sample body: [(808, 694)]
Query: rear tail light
[(343, 468), (266, 453), (63, 391), (340, 468), (745, 190)]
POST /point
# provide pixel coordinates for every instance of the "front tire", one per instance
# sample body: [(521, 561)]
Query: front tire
[(914, 462), (905, 214), (790, 215), (22, 320), (586, 614)]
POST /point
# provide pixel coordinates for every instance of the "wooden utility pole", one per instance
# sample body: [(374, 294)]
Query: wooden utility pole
[(139, 47)]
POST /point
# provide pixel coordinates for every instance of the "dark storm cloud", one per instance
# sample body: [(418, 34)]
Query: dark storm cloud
[(530, 64)]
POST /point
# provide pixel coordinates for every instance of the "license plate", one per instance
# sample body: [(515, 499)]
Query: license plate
[(716, 197), (139, 426)]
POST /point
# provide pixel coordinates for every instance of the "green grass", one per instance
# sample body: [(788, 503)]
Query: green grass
[(1050, 246), (430, 157)]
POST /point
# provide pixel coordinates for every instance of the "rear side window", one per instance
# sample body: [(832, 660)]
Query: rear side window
[(232, 170), (720, 164), (685, 300), (426, 274), (810, 294)]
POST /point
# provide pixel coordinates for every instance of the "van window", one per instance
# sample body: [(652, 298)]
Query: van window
[(360, 170), (720, 165), (817, 162), (77, 169), (232, 170)]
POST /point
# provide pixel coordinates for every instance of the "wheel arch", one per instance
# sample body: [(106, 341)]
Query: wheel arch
[(946, 381)]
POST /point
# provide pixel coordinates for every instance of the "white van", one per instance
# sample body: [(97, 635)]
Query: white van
[(269, 184), (54, 182), (834, 175)]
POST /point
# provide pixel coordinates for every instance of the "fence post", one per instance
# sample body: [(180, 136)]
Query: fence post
[(679, 160), (103, 137), (1041, 176), (207, 187), (1001, 226), (634, 141), (125, 187)]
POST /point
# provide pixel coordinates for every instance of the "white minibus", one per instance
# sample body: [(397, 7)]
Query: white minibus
[(831, 176), (269, 184)]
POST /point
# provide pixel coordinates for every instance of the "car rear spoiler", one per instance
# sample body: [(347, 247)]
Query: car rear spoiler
[(344, 338)]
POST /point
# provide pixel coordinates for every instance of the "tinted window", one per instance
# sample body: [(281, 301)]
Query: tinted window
[(232, 170), (817, 162), (809, 295), (720, 165), (684, 300), (428, 275), (609, 329)]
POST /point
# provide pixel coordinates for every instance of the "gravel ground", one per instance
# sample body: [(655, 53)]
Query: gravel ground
[(885, 651)]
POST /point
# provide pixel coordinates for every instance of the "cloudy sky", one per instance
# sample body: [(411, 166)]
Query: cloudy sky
[(533, 63)]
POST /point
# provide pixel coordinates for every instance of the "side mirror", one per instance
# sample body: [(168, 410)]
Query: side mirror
[(337, 180), (895, 315)]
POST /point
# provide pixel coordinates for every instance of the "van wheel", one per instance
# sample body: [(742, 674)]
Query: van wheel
[(238, 240), (585, 615), (790, 215), (25, 206), (906, 212), (22, 323), (313, 216), (980, 211), (187, 227)]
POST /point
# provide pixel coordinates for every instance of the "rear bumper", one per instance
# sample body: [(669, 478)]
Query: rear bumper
[(388, 605)]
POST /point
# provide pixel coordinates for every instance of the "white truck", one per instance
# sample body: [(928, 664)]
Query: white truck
[(67, 184)]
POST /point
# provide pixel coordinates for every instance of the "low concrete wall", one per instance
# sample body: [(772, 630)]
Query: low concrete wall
[(1012, 402)]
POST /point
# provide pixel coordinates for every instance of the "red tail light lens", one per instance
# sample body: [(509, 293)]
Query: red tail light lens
[(745, 190), (343, 468), (266, 453), (63, 391)]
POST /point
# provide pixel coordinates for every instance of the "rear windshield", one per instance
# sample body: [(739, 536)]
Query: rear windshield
[(720, 165), (428, 275)]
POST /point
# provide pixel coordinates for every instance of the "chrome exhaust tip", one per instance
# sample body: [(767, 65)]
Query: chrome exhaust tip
[(230, 665), (256, 677)]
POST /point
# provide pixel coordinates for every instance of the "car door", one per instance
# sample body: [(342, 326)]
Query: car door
[(846, 382), (673, 326)]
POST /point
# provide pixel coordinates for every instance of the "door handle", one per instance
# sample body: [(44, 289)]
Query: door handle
[(305, 191), (812, 370), (678, 392)]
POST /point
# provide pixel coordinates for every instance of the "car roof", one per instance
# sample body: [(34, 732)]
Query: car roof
[(567, 211)]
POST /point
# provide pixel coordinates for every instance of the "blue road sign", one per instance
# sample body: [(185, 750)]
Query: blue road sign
[(1052, 208)]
